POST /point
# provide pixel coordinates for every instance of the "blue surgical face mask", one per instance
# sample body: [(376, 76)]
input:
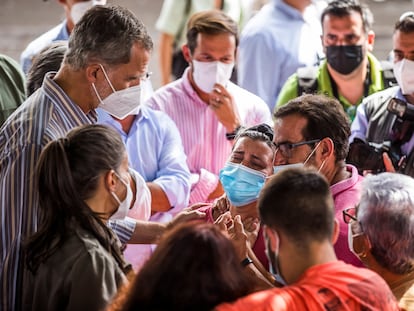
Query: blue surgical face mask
[(279, 168), (241, 184)]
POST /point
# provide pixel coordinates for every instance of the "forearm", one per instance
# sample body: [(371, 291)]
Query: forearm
[(259, 280), (165, 57), (159, 200), (147, 232), (207, 183), (263, 277)]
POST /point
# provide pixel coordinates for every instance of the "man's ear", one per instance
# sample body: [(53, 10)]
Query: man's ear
[(324, 47), (186, 53), (92, 72), (327, 148), (370, 40), (272, 237), (335, 233), (362, 245)]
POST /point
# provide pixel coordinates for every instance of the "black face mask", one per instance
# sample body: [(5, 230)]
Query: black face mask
[(344, 58)]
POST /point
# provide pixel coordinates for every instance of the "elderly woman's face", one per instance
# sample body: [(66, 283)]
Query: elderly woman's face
[(254, 154)]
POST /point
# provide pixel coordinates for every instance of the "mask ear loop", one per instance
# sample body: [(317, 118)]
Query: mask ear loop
[(311, 154), (96, 92), (322, 165), (107, 78), (274, 156)]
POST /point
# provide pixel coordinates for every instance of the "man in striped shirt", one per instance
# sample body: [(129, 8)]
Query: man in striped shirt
[(107, 43), (206, 107)]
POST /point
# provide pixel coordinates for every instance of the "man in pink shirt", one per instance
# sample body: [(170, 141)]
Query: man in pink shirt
[(314, 130), (297, 210), (207, 108)]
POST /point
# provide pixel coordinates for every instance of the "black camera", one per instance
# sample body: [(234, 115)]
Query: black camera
[(368, 156), (401, 109)]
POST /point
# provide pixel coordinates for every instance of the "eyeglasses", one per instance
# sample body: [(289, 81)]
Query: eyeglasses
[(349, 215), (286, 148)]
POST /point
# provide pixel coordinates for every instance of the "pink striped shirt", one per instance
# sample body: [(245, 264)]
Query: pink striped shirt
[(203, 136)]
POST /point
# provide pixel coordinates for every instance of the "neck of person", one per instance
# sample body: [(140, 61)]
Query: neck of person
[(126, 123), (394, 281), (298, 5), (336, 172), (246, 211), (296, 261), (351, 86), (76, 87), (96, 204)]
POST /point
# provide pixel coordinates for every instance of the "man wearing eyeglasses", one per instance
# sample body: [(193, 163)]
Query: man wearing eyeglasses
[(302, 254), (382, 229), (313, 130), (350, 72), (386, 118)]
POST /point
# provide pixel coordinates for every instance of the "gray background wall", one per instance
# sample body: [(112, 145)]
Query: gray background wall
[(23, 20)]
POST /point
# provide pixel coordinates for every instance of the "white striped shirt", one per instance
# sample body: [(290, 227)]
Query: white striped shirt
[(45, 116), (203, 136)]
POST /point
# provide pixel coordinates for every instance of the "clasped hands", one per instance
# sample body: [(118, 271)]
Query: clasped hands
[(243, 233)]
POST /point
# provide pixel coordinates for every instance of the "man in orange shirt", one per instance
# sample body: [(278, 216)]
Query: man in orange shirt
[(297, 209)]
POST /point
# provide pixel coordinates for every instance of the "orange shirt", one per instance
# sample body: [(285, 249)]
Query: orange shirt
[(332, 286)]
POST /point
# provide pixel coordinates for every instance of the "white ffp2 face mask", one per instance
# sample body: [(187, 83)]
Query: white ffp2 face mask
[(121, 103), (404, 73), (206, 74), (125, 205), (80, 8), (351, 240)]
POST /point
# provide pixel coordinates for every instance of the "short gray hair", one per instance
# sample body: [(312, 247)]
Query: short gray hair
[(386, 214), (106, 34)]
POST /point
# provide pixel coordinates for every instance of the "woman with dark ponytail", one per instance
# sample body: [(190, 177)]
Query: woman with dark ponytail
[(74, 261)]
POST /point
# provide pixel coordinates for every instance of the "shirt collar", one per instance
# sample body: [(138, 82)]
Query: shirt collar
[(62, 101), (345, 184), (63, 33), (400, 95), (287, 9)]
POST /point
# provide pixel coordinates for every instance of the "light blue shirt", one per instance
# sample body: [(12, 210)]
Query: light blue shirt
[(156, 152), (60, 32), (273, 44)]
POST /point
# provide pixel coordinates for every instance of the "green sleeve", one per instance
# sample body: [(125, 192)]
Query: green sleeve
[(288, 91)]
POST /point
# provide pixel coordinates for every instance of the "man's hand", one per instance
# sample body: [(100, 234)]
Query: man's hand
[(389, 167), (187, 214), (222, 103)]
